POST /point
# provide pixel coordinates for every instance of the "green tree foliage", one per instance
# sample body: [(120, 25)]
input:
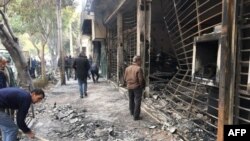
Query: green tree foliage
[(38, 19)]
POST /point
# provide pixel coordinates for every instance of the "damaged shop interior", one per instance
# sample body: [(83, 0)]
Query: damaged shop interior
[(189, 34), (190, 68), (163, 62)]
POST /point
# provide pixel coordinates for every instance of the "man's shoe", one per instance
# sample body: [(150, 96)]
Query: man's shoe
[(137, 118), (81, 96), (86, 94)]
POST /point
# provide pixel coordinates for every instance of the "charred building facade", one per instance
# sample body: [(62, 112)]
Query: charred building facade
[(196, 55)]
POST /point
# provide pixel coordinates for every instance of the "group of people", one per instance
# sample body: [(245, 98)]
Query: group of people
[(82, 67), (13, 98), (20, 99), (70, 69), (34, 67), (133, 78)]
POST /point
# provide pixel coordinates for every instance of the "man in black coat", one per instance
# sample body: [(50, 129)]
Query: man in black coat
[(81, 66), (67, 67), (94, 72)]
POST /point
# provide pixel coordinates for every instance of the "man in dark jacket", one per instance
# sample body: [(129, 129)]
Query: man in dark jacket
[(94, 72), (71, 61), (67, 67), (135, 84), (81, 66), (20, 100)]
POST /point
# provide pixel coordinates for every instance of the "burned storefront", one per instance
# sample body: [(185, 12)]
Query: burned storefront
[(196, 58), (93, 37), (121, 39)]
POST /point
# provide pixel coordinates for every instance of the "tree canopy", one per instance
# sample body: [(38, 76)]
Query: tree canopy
[(34, 22)]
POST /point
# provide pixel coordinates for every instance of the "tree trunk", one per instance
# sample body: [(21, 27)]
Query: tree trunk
[(59, 42), (52, 42), (13, 47), (43, 64)]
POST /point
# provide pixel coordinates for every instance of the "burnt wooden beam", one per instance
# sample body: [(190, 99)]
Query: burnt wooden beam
[(120, 58), (225, 95), (114, 13)]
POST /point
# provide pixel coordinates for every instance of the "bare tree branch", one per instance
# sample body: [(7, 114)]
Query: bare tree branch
[(8, 26), (37, 49), (4, 3)]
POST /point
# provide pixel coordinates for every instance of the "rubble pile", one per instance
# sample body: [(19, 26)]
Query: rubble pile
[(171, 119), (75, 124)]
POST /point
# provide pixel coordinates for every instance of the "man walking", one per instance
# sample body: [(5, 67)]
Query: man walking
[(67, 67), (94, 72), (134, 79), (81, 66), (20, 100), (71, 61)]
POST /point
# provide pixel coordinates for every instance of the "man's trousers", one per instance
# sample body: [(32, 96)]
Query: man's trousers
[(135, 97)]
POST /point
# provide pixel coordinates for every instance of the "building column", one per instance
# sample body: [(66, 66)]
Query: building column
[(120, 57), (147, 43), (144, 36), (140, 26)]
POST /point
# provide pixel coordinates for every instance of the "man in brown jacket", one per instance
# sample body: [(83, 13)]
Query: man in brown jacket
[(135, 84)]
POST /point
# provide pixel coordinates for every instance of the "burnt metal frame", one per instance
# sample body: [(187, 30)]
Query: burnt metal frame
[(181, 32), (241, 89)]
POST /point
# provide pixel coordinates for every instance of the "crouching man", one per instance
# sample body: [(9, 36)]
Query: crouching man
[(20, 100)]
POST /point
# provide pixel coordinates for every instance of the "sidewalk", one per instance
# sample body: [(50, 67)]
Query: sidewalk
[(102, 115)]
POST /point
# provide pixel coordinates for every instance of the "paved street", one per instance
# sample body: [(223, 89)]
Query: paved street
[(102, 115)]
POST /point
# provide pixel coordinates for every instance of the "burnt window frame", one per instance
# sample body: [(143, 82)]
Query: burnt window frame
[(203, 39)]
